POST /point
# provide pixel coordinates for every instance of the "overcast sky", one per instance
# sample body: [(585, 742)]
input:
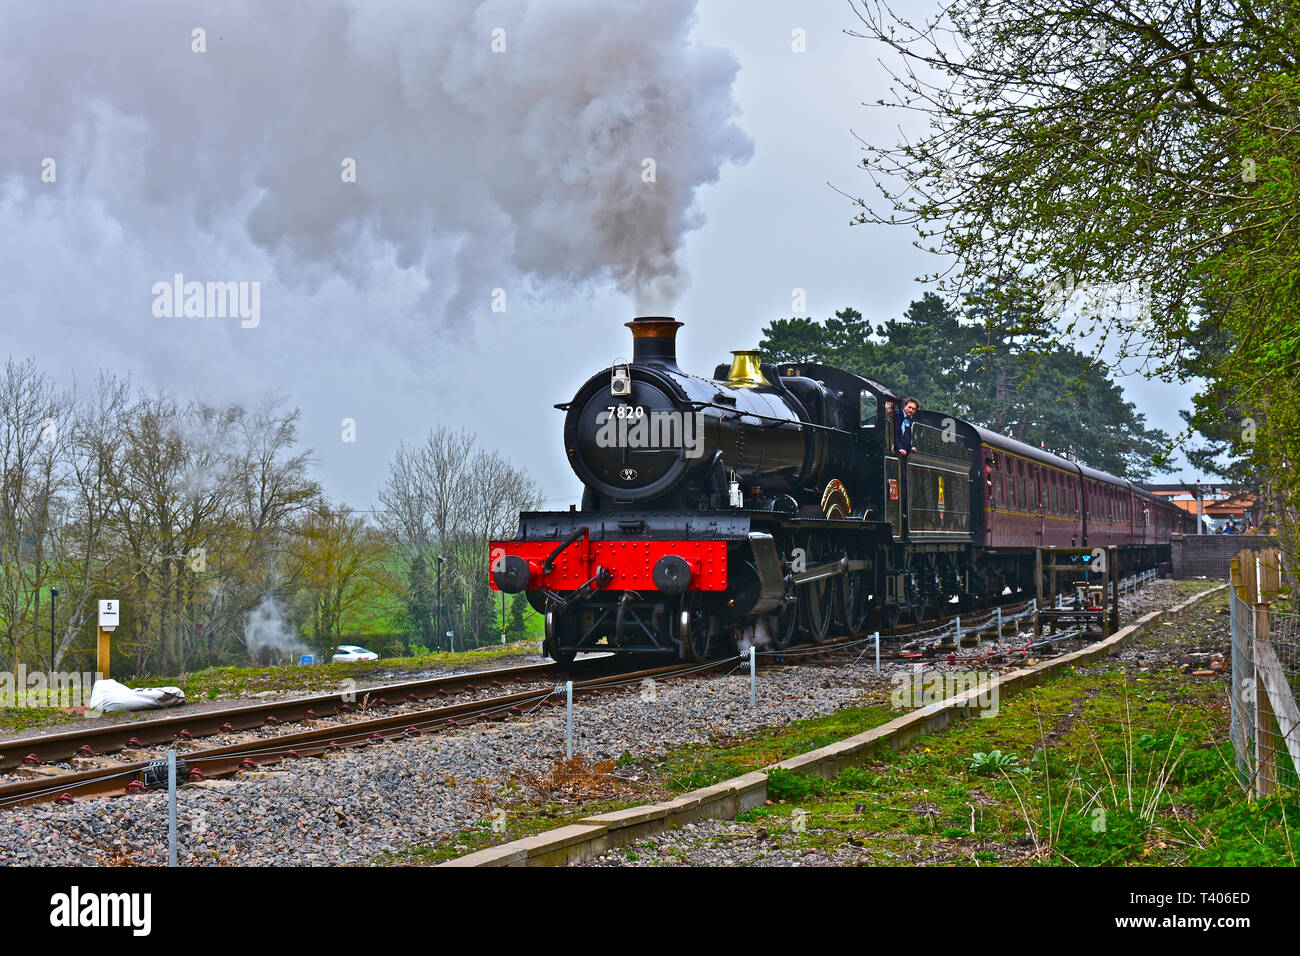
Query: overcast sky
[(498, 157)]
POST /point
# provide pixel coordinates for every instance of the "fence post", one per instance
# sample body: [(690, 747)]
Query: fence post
[(1265, 751), (171, 808), (1272, 573), (1112, 565), (753, 677), (1248, 577), (1242, 625), (568, 722)]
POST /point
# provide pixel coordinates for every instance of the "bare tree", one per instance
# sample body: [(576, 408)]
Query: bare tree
[(81, 550), (446, 499), (33, 441)]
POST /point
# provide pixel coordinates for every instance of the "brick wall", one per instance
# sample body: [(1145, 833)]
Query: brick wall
[(1210, 554)]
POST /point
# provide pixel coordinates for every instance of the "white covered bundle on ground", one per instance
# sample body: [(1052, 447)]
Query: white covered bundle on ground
[(109, 695)]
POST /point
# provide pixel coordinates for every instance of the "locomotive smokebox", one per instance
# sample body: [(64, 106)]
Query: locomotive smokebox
[(654, 340), (648, 432)]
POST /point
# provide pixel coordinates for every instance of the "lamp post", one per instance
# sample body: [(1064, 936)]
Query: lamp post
[(54, 592), (1200, 509), (441, 561)]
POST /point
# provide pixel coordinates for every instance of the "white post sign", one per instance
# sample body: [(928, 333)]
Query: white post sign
[(108, 612)]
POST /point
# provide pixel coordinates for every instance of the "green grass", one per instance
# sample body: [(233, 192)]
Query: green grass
[(14, 720), (701, 765), (1121, 767), (222, 682)]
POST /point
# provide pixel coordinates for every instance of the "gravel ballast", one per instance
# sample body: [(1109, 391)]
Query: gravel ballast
[(359, 805)]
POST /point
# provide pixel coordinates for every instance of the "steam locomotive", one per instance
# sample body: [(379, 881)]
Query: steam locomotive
[(769, 505)]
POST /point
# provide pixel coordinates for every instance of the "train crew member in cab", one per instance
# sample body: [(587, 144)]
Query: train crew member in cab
[(904, 436), (903, 444)]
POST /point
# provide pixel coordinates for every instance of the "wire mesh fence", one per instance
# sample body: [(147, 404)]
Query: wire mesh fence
[(1265, 726)]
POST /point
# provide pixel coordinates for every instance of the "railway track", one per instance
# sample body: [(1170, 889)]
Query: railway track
[(99, 741), (219, 761), (596, 676)]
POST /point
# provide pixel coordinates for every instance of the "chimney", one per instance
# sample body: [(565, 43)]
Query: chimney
[(654, 340)]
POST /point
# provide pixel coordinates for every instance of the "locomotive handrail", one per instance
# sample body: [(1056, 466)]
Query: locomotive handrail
[(776, 422), (549, 564)]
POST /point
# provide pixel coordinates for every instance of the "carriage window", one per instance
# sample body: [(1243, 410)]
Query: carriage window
[(867, 409)]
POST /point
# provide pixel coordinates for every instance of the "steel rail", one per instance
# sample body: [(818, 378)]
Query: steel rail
[(251, 755), (65, 745)]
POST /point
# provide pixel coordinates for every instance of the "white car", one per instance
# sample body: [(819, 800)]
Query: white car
[(350, 652)]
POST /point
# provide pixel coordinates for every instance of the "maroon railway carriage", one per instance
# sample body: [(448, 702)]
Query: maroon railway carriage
[(1035, 499)]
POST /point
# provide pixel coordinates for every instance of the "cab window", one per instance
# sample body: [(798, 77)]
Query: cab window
[(867, 409)]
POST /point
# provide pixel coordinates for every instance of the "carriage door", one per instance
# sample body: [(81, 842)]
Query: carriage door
[(1040, 494)]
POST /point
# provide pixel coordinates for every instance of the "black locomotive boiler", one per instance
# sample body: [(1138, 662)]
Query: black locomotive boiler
[(768, 504)]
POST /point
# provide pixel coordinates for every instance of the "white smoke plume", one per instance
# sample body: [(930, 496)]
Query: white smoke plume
[(494, 141), (267, 632)]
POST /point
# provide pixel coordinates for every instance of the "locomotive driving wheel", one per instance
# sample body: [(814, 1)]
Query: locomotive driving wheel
[(817, 609), (692, 624), (817, 599), (785, 624), (854, 594)]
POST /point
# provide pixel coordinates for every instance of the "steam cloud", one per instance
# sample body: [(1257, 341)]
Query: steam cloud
[(475, 168), (757, 635), (265, 629)]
